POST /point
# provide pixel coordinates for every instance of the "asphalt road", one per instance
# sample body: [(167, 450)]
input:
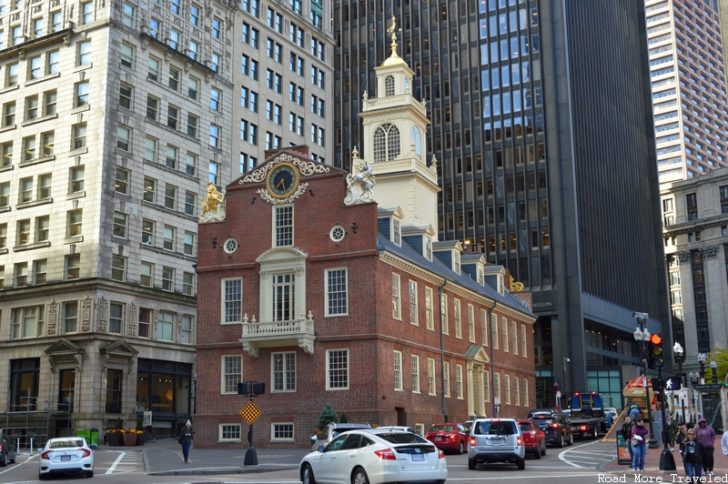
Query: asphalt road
[(580, 464)]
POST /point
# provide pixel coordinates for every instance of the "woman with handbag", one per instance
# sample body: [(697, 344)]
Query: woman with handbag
[(639, 445)]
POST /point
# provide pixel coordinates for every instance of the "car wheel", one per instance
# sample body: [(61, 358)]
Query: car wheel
[(461, 448), (360, 476), (89, 473), (471, 464), (307, 475), (561, 441), (571, 439), (521, 464)]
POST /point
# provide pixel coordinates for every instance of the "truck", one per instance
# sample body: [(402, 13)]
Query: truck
[(587, 414)]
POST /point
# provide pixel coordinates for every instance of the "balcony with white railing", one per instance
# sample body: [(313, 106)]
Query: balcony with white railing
[(273, 334)]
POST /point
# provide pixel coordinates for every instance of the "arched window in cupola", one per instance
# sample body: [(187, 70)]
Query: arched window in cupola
[(389, 85), (386, 142), (416, 140)]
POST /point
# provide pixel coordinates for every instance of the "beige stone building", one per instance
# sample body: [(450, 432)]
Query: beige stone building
[(115, 115)]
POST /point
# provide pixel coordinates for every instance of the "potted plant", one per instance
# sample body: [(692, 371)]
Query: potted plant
[(130, 437), (113, 437)]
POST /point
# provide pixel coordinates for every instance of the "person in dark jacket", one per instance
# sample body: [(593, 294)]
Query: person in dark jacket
[(185, 439), (692, 454), (627, 434), (639, 444)]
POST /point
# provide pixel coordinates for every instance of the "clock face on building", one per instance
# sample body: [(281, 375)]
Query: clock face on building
[(283, 180)]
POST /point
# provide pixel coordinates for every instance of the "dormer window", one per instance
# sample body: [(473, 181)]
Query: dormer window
[(428, 248), (501, 288), (386, 143), (389, 86), (456, 261), (480, 275), (396, 232)]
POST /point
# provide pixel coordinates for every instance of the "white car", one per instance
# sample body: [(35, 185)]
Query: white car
[(63, 455), (371, 456)]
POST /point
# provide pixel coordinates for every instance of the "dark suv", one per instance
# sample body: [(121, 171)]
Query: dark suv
[(7, 451), (554, 425)]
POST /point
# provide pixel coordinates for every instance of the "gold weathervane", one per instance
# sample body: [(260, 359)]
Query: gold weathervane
[(393, 30), (516, 286)]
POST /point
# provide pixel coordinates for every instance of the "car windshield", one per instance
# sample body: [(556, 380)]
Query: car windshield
[(403, 438), (63, 444), (495, 428), (442, 428), (525, 427)]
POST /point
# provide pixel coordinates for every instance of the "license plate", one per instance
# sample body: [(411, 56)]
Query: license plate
[(438, 438), (418, 457), (65, 457)]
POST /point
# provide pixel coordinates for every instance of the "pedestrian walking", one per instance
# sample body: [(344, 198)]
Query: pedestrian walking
[(680, 439), (639, 445), (627, 434), (673, 427), (705, 434), (692, 454), (186, 434)]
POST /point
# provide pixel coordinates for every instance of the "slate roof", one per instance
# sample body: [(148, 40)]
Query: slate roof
[(409, 254)]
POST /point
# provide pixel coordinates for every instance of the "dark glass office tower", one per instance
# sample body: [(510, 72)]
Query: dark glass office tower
[(542, 125)]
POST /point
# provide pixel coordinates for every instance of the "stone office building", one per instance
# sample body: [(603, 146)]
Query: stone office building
[(115, 116)]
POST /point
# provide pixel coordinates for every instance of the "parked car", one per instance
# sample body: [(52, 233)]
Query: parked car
[(496, 440), (398, 428), (449, 437), (374, 456), (66, 455), (332, 430), (7, 451), (556, 427), (533, 437)]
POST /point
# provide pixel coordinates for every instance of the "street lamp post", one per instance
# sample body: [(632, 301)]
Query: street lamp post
[(714, 368), (565, 390), (701, 360), (642, 336), (679, 353)]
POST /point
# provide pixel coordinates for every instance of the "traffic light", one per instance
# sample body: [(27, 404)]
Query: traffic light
[(655, 355)]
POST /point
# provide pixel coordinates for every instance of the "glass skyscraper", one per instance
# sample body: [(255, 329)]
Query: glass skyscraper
[(542, 128)]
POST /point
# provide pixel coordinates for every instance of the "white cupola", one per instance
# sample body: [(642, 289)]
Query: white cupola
[(395, 145)]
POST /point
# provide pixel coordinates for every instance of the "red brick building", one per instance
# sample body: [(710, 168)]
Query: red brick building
[(332, 288)]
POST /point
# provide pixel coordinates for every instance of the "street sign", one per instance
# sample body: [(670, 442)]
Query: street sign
[(250, 412)]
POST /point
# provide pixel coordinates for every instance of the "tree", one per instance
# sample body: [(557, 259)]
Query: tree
[(720, 355), (327, 416)]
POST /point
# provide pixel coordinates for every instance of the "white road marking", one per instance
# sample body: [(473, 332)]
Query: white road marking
[(111, 469), (573, 450)]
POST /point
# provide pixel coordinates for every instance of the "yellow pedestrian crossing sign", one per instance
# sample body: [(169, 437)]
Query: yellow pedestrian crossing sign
[(250, 412)]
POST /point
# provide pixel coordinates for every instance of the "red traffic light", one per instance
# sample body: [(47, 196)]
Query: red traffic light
[(655, 339)]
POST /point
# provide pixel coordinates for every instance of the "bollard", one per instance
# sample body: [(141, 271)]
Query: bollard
[(17, 446), (31, 446)]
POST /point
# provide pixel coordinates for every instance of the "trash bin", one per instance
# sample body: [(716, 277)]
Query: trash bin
[(93, 439), (85, 433)]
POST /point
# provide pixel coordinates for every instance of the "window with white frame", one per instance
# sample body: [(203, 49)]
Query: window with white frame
[(507, 388), (456, 261), (443, 314), (514, 331), (524, 385), (413, 307), (145, 316), (232, 373), (337, 369), (415, 371), (146, 274), (524, 342), (486, 386), (188, 283), (431, 378), (284, 292), (283, 226), (484, 326), (517, 391), (70, 317), (497, 387), (120, 224), (471, 323), (164, 330), (186, 326), (27, 322), (504, 332), (494, 330), (396, 297), (336, 292), (429, 313), (283, 371), (229, 433), (459, 381), (116, 316), (118, 267), (232, 300), (396, 231), (446, 379), (397, 368), (282, 432), (168, 278), (457, 310)]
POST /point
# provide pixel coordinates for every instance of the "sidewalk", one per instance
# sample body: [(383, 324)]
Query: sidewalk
[(163, 457), (652, 466)]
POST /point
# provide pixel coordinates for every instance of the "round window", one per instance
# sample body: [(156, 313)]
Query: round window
[(337, 233), (230, 246)]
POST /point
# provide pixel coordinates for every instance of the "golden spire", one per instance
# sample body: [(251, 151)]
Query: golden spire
[(393, 30)]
